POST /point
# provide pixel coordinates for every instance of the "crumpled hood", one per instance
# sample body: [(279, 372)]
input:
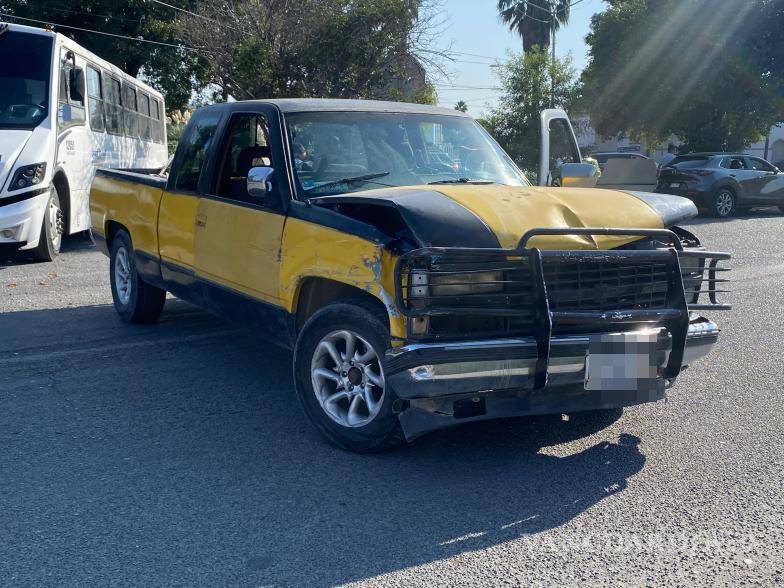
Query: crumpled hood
[(473, 215), (511, 211)]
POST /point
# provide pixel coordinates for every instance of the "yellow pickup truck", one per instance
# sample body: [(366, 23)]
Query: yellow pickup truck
[(419, 278)]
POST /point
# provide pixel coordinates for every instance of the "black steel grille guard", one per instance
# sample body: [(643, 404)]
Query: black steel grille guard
[(532, 302)]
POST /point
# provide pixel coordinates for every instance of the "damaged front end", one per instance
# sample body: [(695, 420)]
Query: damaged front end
[(504, 332)]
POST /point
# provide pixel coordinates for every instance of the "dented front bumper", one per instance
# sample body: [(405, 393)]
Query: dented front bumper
[(442, 384), (599, 329)]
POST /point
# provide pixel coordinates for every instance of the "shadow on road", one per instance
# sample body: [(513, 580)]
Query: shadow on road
[(179, 454), (73, 243), (742, 215)]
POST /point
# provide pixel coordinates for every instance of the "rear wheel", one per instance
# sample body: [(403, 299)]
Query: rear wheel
[(52, 229), (339, 377), (724, 203), (135, 300)]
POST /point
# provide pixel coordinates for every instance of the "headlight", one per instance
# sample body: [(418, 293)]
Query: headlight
[(27, 175), (461, 284)]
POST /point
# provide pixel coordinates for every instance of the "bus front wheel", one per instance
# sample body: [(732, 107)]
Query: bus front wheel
[(52, 229)]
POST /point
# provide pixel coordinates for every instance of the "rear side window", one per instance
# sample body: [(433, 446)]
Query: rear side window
[(689, 162), (95, 99), (195, 149), (112, 105), (131, 120), (733, 163)]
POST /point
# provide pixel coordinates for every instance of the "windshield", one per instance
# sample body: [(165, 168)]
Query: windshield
[(339, 152), (25, 61)]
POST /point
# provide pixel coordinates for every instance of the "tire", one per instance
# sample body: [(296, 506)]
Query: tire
[(135, 300), (52, 229), (374, 426), (724, 203)]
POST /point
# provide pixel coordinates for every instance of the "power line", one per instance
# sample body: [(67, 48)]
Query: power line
[(185, 11), (138, 39)]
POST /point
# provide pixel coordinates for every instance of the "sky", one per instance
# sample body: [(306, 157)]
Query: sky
[(474, 33)]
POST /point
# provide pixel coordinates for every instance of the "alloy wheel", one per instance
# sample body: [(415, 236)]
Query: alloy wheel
[(724, 203), (122, 275), (348, 378)]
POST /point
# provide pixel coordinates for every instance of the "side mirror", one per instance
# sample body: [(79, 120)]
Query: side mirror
[(76, 84), (578, 175), (260, 182)]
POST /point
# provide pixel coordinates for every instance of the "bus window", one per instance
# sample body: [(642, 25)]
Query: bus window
[(131, 118), (69, 111), (95, 99), (144, 116), (112, 105), (157, 122)]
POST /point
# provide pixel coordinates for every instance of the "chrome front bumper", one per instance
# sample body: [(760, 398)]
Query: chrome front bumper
[(428, 370)]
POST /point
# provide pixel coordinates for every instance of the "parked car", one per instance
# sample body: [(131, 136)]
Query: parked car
[(414, 296), (604, 156), (723, 182)]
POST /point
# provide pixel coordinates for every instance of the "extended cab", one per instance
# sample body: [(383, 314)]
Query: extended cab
[(418, 276)]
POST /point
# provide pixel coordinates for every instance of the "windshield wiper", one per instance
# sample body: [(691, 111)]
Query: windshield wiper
[(461, 181), (352, 180)]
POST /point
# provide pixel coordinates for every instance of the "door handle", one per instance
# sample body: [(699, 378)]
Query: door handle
[(201, 220), (732, 175)]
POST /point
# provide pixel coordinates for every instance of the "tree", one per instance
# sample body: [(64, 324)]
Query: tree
[(526, 81), (461, 106), (693, 68), (313, 48), (173, 70), (533, 21)]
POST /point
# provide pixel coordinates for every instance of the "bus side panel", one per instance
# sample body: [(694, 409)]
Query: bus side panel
[(131, 205)]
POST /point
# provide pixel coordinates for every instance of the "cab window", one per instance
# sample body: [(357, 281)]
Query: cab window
[(195, 148), (247, 146)]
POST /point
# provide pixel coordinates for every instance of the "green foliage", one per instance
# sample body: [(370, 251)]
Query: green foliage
[(526, 82), (171, 70), (461, 106), (533, 20), (314, 48), (709, 72)]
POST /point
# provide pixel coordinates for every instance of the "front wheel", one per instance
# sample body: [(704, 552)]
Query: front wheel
[(135, 300), (339, 377), (52, 229), (723, 204)]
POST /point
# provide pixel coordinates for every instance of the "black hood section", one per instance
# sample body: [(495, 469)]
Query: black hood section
[(434, 220)]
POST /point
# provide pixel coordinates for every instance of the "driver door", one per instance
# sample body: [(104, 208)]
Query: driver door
[(238, 236), (559, 153)]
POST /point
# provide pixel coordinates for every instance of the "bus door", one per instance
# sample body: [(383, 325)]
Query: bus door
[(74, 147)]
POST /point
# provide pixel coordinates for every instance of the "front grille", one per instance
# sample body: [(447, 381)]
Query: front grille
[(605, 285), (475, 292)]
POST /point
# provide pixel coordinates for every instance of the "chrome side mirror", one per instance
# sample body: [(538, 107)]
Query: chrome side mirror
[(260, 182), (578, 175)]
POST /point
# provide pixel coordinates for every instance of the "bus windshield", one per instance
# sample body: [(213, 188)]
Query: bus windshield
[(25, 70)]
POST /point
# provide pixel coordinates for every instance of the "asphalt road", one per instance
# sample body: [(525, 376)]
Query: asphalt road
[(177, 454)]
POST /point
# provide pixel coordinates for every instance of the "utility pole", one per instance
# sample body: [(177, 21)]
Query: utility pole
[(552, 63)]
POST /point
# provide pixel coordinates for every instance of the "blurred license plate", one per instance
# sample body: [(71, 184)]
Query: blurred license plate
[(674, 185), (627, 361)]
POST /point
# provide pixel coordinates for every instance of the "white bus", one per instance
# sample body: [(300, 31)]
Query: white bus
[(64, 112)]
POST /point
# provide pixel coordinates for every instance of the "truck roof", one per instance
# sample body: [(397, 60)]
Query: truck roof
[(287, 105)]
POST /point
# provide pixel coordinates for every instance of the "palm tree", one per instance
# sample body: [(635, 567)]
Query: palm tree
[(533, 20)]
